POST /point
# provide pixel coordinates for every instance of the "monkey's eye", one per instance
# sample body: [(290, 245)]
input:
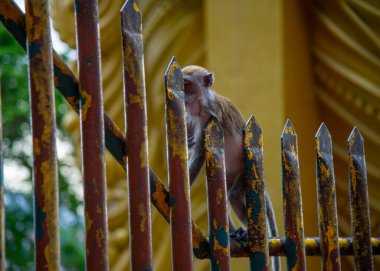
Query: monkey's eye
[(186, 83)]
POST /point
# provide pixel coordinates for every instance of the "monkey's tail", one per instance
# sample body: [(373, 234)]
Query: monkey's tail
[(272, 229)]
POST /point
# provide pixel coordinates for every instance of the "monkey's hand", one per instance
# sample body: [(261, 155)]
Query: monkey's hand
[(190, 141), (239, 235)]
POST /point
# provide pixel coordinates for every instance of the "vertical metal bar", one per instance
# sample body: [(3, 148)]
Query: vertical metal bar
[(179, 184), (92, 129), (41, 89), (328, 221), (256, 204), (136, 139), (291, 189), (2, 207), (217, 197), (360, 217)]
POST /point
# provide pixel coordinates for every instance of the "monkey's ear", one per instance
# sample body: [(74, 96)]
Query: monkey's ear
[(208, 79)]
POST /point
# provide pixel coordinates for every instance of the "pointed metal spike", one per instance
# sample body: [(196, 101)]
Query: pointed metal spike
[(252, 124), (131, 17), (288, 129), (289, 138), (355, 142), (173, 76), (214, 136), (323, 140), (251, 119), (172, 64), (252, 133)]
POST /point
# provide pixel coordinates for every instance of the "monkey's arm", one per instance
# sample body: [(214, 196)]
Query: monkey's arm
[(237, 198), (197, 160)]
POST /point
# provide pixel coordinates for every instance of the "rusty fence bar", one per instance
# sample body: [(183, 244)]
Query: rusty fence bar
[(42, 106), (92, 134), (328, 221), (217, 196), (179, 184), (256, 204), (2, 206), (360, 218), (292, 205), (137, 138)]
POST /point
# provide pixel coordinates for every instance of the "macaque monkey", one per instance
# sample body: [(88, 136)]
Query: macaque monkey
[(201, 103)]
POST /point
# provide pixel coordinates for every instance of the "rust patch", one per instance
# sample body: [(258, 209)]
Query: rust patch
[(37, 148), (51, 257), (159, 197), (177, 147), (87, 98), (99, 237), (98, 209), (219, 195), (220, 247), (143, 156), (48, 188), (290, 130), (135, 99), (89, 223), (135, 7), (143, 216)]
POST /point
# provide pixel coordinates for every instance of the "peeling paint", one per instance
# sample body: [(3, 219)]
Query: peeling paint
[(51, 255), (86, 103), (36, 147), (135, 7), (89, 223), (135, 99), (143, 155), (219, 196), (99, 237), (159, 198)]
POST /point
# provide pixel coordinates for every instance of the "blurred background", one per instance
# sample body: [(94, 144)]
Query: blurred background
[(309, 61)]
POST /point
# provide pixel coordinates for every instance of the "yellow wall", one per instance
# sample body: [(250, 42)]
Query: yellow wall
[(245, 51)]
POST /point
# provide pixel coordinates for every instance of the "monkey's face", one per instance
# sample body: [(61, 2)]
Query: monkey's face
[(197, 82)]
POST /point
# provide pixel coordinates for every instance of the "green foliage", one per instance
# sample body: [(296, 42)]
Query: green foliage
[(17, 148)]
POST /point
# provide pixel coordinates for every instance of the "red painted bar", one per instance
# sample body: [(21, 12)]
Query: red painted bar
[(179, 184), (136, 139), (217, 197), (92, 134), (292, 206), (327, 211), (41, 91), (360, 218)]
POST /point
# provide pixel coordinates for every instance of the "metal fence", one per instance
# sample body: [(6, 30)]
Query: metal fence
[(98, 131)]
